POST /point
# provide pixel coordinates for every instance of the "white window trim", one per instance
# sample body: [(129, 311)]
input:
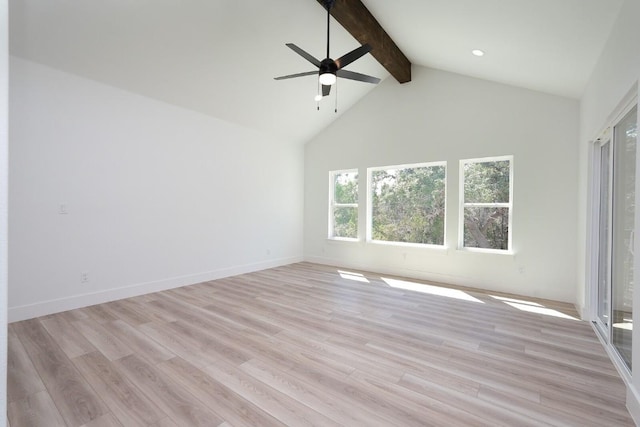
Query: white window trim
[(369, 214), (462, 205), (333, 205)]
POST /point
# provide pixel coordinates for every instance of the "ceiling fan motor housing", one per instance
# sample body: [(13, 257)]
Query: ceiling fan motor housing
[(328, 65)]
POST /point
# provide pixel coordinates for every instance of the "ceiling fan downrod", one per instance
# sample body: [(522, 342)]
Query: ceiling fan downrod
[(328, 4)]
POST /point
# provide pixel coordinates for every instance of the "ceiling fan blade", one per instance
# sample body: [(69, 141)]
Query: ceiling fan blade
[(326, 89), (293, 76), (304, 54), (351, 75), (348, 58)]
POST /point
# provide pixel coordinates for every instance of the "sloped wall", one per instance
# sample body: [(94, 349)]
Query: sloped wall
[(136, 194)]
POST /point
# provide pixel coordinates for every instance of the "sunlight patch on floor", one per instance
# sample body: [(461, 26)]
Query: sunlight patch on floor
[(430, 289), (350, 275), (516, 301), (532, 307)]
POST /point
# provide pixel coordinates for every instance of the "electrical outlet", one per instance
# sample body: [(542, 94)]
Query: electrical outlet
[(84, 277)]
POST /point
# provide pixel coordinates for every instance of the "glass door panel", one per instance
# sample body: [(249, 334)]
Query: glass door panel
[(622, 271)]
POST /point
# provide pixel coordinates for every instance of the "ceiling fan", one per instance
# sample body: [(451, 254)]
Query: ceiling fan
[(328, 69)]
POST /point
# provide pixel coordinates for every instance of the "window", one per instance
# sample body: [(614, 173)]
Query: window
[(407, 203), (343, 204), (486, 192)]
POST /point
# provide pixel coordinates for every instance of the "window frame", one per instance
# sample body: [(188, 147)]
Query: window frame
[(333, 206), (463, 205), (369, 206)]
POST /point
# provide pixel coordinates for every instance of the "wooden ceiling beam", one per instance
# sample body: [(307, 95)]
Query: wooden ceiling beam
[(363, 26)]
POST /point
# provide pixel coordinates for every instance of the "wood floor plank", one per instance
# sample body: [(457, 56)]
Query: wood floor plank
[(287, 410), (222, 400), (323, 351), (464, 401), (68, 338), (544, 413), (357, 395), (102, 339), (181, 406), (183, 346), (154, 313), (35, 410), (421, 406), (139, 343), (125, 401), (127, 312), (98, 313), (22, 377), (106, 420), (324, 401), (165, 422), (304, 344), (72, 395)]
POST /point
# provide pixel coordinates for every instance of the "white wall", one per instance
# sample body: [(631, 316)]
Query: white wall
[(4, 104), (157, 196), (616, 73), (443, 116)]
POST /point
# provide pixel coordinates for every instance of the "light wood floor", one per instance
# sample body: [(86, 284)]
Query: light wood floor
[(301, 345)]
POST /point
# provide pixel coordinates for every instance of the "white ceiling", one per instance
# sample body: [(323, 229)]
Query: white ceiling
[(546, 45), (219, 57)]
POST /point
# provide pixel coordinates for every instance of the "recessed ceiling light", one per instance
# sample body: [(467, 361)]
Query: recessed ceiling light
[(477, 52)]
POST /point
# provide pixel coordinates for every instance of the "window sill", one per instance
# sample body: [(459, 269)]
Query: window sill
[(409, 245), (343, 239), (486, 251)]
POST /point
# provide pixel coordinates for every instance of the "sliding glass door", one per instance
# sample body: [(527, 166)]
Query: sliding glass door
[(615, 194), (624, 195)]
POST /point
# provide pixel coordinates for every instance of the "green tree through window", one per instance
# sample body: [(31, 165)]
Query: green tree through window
[(344, 205), (408, 204), (487, 203)]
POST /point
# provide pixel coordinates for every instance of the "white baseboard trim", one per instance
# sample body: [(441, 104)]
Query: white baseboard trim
[(394, 270), (633, 403), (44, 308), (390, 270), (444, 279)]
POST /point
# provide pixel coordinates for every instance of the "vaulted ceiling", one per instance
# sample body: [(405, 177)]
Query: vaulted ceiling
[(219, 57)]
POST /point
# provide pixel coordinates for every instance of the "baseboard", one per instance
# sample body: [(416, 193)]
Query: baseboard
[(581, 312), (633, 403), (446, 279), (392, 271), (44, 308)]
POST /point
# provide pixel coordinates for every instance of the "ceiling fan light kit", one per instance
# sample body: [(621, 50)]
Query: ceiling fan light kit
[(328, 69)]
